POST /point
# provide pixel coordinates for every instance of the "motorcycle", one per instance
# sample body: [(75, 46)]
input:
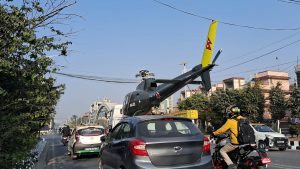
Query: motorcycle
[(64, 140), (246, 156)]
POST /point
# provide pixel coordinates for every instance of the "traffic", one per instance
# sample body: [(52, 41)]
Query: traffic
[(240, 110), (161, 141)]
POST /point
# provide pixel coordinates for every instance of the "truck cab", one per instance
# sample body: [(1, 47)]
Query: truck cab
[(115, 115)]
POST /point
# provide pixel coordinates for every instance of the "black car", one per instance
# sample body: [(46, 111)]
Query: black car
[(155, 142)]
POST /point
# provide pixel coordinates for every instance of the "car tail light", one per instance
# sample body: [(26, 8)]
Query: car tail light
[(138, 147), (266, 160), (206, 144)]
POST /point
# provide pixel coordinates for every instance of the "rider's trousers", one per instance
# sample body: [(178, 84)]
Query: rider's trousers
[(224, 150)]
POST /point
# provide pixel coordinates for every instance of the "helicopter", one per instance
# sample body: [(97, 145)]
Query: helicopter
[(149, 94)]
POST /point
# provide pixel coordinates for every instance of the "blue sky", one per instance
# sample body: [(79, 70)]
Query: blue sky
[(117, 38)]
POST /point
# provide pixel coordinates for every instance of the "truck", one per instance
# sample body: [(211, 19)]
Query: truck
[(191, 114), (115, 115)]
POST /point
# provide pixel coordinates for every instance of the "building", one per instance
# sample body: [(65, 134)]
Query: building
[(231, 83), (218, 86), (166, 106), (100, 109), (234, 83), (297, 71), (188, 93), (269, 79)]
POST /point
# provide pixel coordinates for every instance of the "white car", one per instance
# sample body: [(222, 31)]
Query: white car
[(266, 137), (85, 140)]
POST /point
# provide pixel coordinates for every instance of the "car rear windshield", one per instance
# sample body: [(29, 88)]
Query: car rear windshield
[(91, 131), (167, 128), (262, 128)]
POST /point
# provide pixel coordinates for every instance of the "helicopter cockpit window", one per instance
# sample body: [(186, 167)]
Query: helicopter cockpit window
[(125, 102), (153, 84)]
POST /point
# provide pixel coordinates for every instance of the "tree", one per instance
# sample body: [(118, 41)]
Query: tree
[(219, 101), (294, 102), (74, 121), (28, 92), (198, 102), (277, 103), (252, 102)]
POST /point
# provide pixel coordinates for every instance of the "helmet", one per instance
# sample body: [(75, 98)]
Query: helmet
[(232, 111)]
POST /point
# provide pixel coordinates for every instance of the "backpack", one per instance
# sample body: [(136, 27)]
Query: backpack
[(245, 132)]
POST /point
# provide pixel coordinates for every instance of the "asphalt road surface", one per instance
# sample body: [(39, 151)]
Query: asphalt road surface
[(56, 157), (289, 159)]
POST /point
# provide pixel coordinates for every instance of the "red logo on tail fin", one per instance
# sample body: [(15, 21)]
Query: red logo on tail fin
[(208, 43)]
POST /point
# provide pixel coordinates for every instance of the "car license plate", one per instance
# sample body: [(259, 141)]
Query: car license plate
[(95, 148), (280, 141)]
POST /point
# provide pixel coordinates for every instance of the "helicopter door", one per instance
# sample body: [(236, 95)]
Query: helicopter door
[(126, 102)]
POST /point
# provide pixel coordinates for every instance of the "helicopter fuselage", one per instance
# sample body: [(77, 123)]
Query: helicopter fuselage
[(148, 94)]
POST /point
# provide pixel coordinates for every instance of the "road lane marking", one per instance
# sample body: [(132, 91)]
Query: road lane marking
[(284, 166)]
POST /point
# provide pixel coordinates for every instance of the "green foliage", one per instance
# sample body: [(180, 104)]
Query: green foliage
[(252, 102), (28, 93), (198, 102), (219, 101), (294, 102), (294, 130), (74, 121), (277, 103)]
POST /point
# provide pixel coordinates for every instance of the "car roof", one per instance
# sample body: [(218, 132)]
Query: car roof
[(258, 124), (136, 119), (82, 127)]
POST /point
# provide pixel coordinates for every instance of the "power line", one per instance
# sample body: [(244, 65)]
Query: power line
[(101, 79), (226, 23), (268, 67), (268, 53), (263, 47), (290, 2)]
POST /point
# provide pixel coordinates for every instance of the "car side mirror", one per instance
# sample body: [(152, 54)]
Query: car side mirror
[(103, 138)]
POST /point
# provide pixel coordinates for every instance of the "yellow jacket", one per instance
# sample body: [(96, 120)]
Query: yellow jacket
[(232, 126)]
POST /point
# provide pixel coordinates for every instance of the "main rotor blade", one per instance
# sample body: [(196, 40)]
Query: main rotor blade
[(175, 81), (166, 81)]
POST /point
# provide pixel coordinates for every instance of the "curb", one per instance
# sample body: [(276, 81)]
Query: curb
[(41, 156)]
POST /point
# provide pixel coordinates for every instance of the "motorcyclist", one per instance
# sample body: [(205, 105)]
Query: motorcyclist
[(233, 114), (66, 131)]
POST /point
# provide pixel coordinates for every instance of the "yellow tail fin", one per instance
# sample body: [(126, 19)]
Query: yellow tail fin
[(210, 43)]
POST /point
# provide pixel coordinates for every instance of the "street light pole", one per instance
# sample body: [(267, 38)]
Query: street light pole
[(184, 70)]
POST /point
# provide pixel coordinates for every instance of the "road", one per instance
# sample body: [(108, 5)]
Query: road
[(289, 159), (56, 157)]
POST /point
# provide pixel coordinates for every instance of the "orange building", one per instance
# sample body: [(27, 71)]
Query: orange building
[(269, 79)]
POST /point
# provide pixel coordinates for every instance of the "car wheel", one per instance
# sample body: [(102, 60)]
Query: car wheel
[(261, 145), (282, 149), (100, 164)]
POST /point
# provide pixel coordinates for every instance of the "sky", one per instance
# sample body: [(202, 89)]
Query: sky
[(117, 38)]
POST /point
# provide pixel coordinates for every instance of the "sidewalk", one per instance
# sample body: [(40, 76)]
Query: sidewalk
[(41, 156)]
